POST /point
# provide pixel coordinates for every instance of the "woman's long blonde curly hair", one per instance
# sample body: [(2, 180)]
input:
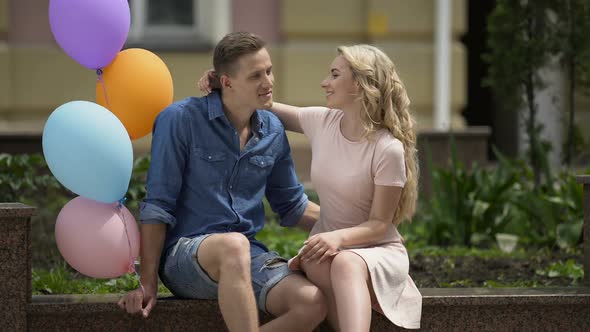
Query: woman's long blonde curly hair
[(385, 104)]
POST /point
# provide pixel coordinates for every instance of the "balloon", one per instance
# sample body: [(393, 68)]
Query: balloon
[(88, 150), (138, 86), (91, 238), (92, 32)]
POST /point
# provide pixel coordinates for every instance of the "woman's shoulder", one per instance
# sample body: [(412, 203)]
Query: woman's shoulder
[(319, 110), (319, 115), (387, 143)]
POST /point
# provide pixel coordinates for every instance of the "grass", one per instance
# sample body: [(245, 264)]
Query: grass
[(63, 280)]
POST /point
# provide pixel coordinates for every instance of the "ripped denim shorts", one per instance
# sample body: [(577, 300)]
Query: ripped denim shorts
[(184, 277)]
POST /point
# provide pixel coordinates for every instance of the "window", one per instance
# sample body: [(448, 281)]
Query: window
[(179, 23)]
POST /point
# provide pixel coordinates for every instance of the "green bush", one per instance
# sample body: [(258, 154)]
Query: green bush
[(468, 207), (25, 177)]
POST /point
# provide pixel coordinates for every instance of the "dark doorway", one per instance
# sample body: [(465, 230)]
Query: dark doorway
[(482, 109)]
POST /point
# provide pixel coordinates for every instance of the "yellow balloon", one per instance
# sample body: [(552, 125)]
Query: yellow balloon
[(138, 86)]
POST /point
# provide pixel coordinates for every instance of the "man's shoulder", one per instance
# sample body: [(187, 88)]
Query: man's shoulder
[(272, 121), (189, 103), (183, 108)]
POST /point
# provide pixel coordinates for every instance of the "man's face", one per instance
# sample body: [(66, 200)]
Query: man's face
[(251, 85)]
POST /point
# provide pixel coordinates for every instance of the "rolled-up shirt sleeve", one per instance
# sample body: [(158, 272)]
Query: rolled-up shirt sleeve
[(165, 175), (153, 214), (283, 191)]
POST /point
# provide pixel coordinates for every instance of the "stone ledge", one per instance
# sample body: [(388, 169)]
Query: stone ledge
[(505, 296), (443, 309), (16, 210), (431, 297), (466, 132), (583, 179)]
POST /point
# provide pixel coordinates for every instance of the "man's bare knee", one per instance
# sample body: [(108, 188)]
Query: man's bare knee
[(234, 251), (227, 251)]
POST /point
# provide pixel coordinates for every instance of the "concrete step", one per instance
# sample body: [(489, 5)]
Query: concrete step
[(453, 309)]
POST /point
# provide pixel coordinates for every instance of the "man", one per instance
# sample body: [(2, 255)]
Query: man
[(213, 160)]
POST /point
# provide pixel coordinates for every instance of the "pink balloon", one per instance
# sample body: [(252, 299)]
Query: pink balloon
[(91, 237)]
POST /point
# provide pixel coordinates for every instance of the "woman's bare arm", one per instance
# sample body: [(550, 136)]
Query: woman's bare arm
[(289, 116)]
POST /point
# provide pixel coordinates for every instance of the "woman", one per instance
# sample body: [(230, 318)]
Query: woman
[(365, 171)]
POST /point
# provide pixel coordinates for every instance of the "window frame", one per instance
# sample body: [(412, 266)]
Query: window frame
[(212, 21)]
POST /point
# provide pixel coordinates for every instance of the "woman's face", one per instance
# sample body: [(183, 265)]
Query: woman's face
[(341, 89)]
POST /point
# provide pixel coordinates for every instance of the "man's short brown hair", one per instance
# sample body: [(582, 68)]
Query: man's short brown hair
[(233, 46)]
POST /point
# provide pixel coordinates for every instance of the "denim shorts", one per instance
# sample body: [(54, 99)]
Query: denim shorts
[(184, 277)]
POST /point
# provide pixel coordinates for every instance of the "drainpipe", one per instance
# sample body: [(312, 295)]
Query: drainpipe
[(442, 66)]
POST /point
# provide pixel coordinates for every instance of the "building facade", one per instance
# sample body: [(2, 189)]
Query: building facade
[(36, 76)]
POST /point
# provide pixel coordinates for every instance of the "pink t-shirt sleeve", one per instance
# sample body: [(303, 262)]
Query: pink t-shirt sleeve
[(389, 163), (312, 119)]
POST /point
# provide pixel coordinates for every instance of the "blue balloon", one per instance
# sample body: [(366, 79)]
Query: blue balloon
[(89, 151)]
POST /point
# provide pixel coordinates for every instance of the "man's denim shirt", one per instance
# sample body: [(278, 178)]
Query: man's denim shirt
[(199, 182)]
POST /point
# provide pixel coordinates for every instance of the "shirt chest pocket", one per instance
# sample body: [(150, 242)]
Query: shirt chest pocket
[(260, 166), (210, 166)]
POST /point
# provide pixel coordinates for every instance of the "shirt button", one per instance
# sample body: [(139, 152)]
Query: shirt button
[(262, 163), (209, 157), (231, 187)]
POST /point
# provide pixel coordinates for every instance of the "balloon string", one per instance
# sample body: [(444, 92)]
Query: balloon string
[(131, 258), (104, 88)]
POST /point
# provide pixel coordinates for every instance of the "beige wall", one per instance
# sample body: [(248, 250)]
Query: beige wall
[(312, 19), (411, 20), (403, 29), (5, 77), (3, 16), (34, 81), (37, 76)]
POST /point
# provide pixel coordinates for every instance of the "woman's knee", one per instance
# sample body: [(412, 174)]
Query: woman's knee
[(348, 264)]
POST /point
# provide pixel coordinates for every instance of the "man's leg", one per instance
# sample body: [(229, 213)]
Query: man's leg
[(297, 303), (319, 274), (226, 259)]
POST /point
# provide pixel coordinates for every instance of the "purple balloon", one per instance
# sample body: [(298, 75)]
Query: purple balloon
[(92, 32)]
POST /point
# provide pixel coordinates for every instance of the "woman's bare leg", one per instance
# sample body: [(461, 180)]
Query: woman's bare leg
[(350, 285)]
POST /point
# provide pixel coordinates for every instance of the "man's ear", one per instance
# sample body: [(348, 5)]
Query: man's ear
[(225, 81)]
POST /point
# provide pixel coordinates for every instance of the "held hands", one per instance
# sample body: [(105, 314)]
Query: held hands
[(136, 302), (320, 247)]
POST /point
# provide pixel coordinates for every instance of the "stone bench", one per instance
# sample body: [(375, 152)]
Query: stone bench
[(566, 309), (448, 309)]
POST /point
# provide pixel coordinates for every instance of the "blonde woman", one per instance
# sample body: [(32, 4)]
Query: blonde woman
[(365, 171)]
